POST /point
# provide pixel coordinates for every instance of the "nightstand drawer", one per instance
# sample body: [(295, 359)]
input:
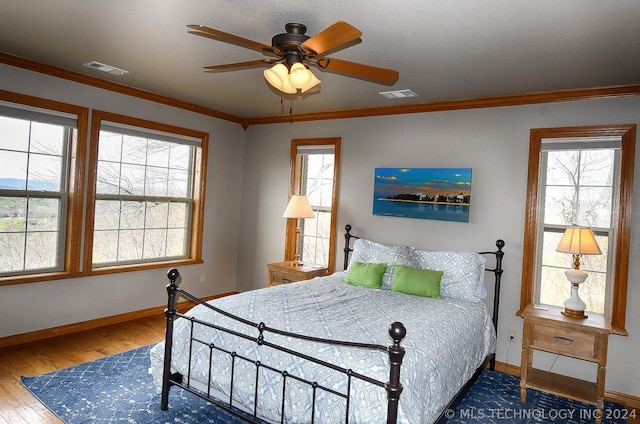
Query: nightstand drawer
[(564, 341), (284, 272), (282, 278)]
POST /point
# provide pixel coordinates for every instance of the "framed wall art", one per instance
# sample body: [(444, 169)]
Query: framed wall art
[(425, 193)]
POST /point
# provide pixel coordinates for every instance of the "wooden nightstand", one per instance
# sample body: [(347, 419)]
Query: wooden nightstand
[(284, 272), (586, 339)]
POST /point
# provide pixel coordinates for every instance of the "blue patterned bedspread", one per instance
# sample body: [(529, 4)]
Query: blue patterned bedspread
[(447, 339)]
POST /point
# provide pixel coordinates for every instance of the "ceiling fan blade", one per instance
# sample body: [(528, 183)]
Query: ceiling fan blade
[(239, 65), (225, 37), (332, 38), (358, 70)]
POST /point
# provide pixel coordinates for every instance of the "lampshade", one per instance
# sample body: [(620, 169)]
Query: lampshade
[(278, 77), (298, 207), (579, 241), (300, 77)]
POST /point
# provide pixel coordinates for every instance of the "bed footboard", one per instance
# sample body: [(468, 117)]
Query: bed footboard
[(395, 353)]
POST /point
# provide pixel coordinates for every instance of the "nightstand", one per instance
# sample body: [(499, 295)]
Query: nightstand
[(284, 272), (585, 339)]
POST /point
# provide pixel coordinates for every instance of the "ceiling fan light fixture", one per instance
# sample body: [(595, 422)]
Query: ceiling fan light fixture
[(312, 83), (276, 75), (299, 75)]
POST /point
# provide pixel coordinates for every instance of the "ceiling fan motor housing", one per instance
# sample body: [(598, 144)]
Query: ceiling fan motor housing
[(288, 42)]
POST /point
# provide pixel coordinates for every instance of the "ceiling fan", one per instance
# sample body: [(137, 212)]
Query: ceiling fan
[(292, 52)]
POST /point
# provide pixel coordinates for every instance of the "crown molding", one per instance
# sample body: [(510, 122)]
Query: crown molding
[(463, 104)]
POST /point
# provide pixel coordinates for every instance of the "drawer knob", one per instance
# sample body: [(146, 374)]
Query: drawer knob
[(563, 340), (286, 280)]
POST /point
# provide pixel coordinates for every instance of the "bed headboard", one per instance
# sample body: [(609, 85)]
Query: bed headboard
[(496, 270)]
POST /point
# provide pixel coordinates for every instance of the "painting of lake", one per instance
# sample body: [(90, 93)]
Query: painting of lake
[(425, 193)]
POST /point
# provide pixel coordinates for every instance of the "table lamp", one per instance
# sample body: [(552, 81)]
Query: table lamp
[(577, 241), (298, 208)]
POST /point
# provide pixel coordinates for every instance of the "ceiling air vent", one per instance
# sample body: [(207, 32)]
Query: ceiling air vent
[(398, 94), (105, 68)]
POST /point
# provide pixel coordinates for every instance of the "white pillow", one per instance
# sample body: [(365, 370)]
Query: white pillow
[(368, 251), (463, 276)]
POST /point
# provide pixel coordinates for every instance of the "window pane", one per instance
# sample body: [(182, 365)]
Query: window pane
[(105, 247), (156, 181), (110, 147), (12, 251), (155, 243), (132, 215), (157, 215), (41, 250), (562, 167), (13, 172), (177, 215), (179, 184), (44, 172), (177, 242), (180, 157), (599, 167), (130, 245), (108, 178), (158, 153), (134, 150), (107, 215), (14, 134), (595, 207), (43, 214), (132, 180), (13, 213), (47, 138)]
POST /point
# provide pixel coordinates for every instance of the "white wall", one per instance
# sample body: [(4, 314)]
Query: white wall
[(493, 142), (34, 306)]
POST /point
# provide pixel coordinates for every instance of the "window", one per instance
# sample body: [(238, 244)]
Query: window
[(579, 176), (315, 169), (39, 199), (148, 197), (145, 185)]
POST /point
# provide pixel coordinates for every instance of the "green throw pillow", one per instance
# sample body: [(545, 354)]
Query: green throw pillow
[(417, 282), (365, 275)]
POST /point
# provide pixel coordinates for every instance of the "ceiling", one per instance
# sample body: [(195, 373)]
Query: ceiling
[(443, 49)]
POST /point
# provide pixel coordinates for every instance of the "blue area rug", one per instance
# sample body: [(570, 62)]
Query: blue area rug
[(118, 388)]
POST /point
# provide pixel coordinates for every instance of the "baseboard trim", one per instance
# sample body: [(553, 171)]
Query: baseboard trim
[(630, 401), (47, 333)]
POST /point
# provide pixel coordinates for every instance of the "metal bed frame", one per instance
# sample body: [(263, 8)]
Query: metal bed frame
[(395, 352)]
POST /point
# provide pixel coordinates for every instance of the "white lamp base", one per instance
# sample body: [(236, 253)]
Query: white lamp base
[(574, 306)]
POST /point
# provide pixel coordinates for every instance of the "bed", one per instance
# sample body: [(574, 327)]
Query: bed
[(335, 349)]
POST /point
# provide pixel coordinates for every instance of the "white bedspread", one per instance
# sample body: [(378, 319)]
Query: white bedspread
[(446, 341)]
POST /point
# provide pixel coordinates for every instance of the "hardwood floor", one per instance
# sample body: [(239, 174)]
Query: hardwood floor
[(18, 406)]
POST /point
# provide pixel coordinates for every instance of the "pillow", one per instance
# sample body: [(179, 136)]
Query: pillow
[(463, 276), (365, 275), (368, 251), (417, 282)]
